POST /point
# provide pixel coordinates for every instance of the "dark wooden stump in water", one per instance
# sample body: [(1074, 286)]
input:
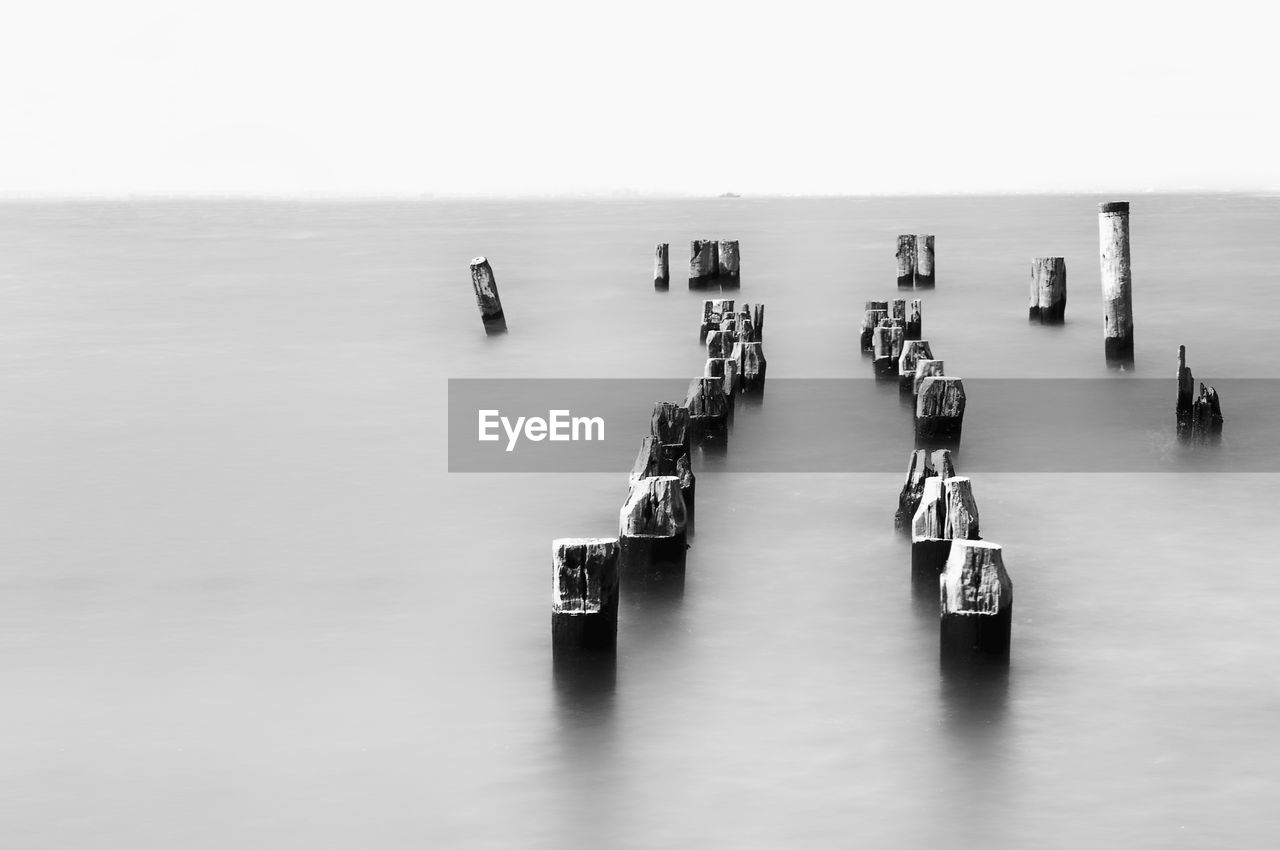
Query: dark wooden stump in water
[(976, 598), (871, 319), (495, 321), (709, 411), (729, 261), (923, 465), (719, 343), (753, 369), (725, 369), (1186, 395), (1117, 284), (913, 351), (713, 312), (652, 529), (926, 369), (646, 462), (915, 324), (673, 460), (906, 261), (757, 327), (898, 310), (584, 595), (939, 412), (702, 264), (670, 423), (661, 267), (886, 344), (1206, 417), (1048, 290)]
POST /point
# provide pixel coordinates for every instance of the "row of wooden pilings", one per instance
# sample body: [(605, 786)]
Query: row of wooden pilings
[(712, 263), (936, 506), (657, 517)]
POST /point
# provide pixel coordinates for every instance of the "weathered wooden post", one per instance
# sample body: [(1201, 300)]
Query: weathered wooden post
[(646, 462), (1206, 416), (898, 310), (1117, 283), (939, 412), (702, 264), (673, 460), (661, 268), (713, 312), (726, 370), (652, 528), (670, 425), (757, 327), (584, 595), (906, 261), (947, 511), (925, 369), (495, 322), (709, 411), (924, 262), (886, 343), (729, 263), (1186, 394), (976, 597), (924, 464), (746, 324), (719, 343), (753, 368), (1048, 290), (913, 351), (914, 319), (875, 312)]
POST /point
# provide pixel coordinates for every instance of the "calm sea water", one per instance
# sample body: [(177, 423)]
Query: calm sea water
[(243, 604)]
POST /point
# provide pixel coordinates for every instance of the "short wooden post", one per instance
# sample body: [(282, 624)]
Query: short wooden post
[(652, 528), (719, 343), (757, 327), (661, 267), (1117, 284), (976, 597), (906, 261), (709, 411), (1206, 416), (729, 263), (887, 348), (947, 511), (924, 262), (584, 595), (913, 351), (713, 312), (961, 510), (670, 424), (726, 370), (914, 319), (1048, 304), (924, 464), (746, 324), (1186, 395), (646, 462), (898, 310), (702, 263), (753, 368), (926, 369), (939, 413), (673, 460), (870, 321), (495, 321)]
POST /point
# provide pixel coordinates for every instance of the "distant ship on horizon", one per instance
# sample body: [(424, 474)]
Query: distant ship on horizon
[(730, 195)]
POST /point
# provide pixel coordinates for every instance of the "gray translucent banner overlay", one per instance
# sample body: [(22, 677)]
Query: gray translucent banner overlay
[(1113, 424)]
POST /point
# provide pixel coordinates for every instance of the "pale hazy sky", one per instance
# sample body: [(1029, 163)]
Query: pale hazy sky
[(373, 97)]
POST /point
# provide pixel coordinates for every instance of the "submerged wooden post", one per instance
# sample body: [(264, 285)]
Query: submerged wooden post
[(886, 343), (584, 595), (924, 464), (757, 326), (1206, 416), (915, 311), (729, 261), (939, 413), (753, 368), (924, 262), (487, 296), (1048, 290), (906, 261), (709, 410), (913, 351), (976, 598), (652, 528), (661, 268), (702, 263), (871, 318), (1117, 283), (1186, 395)]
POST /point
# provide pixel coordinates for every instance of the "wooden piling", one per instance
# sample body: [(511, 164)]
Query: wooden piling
[(1206, 416), (886, 345), (1048, 304), (702, 264), (915, 324), (673, 460), (946, 511), (898, 310), (709, 411), (976, 598), (753, 369), (757, 326), (729, 260), (1117, 284), (719, 343), (961, 521), (913, 351), (670, 424), (652, 528), (713, 312), (939, 413), (924, 278), (495, 321), (1186, 395), (661, 267), (584, 595), (725, 369), (906, 261), (924, 464), (646, 462), (870, 321), (925, 369), (746, 324)]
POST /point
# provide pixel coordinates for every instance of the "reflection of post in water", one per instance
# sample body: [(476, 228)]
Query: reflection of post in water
[(975, 690)]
